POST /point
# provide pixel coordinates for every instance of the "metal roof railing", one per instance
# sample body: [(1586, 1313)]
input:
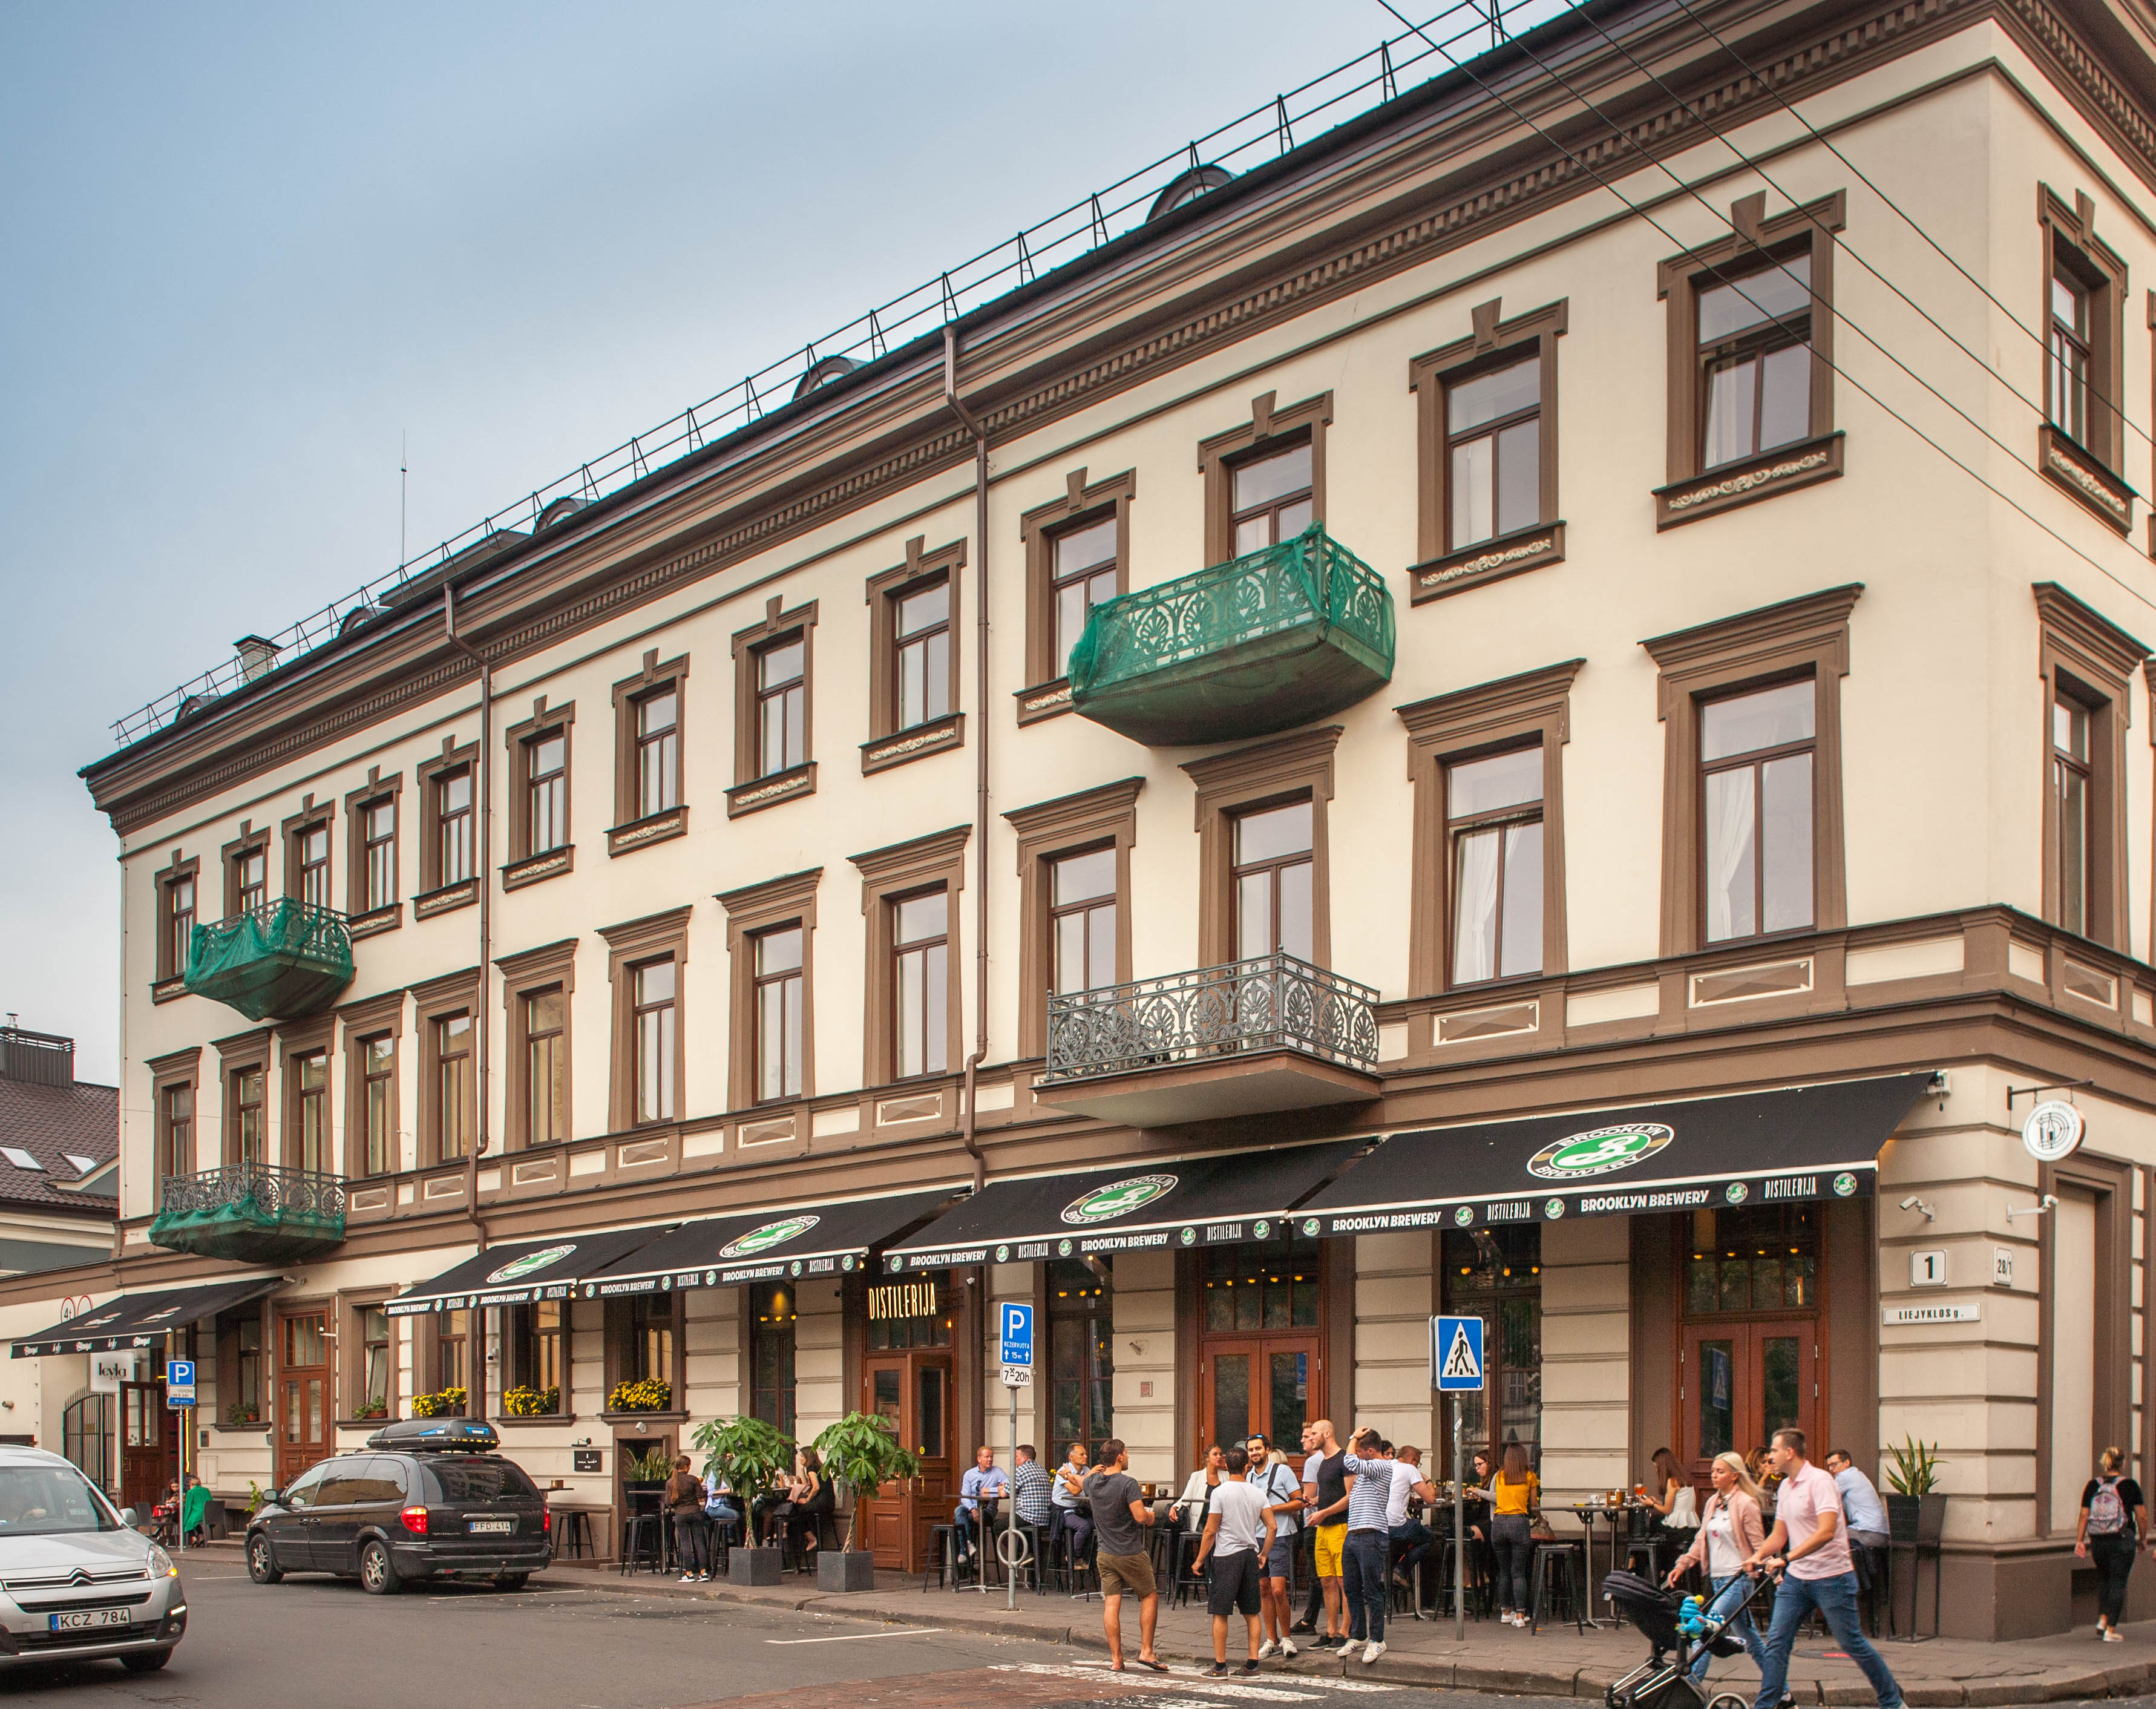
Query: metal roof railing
[(1265, 133)]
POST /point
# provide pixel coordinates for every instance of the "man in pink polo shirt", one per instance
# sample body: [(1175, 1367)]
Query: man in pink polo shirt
[(1811, 1536)]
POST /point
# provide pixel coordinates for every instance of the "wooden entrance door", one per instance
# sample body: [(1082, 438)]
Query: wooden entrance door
[(303, 1393), (912, 1392), (1742, 1382), (144, 1446), (1263, 1384)]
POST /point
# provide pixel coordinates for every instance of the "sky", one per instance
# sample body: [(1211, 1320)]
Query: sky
[(246, 251)]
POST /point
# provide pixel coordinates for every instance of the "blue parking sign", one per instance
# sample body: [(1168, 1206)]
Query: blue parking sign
[(1455, 1354), (179, 1383), (1017, 1336)]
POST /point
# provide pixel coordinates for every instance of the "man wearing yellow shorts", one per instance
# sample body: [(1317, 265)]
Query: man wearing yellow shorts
[(1328, 1498)]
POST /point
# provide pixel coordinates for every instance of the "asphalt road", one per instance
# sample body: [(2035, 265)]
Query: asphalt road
[(316, 1643)]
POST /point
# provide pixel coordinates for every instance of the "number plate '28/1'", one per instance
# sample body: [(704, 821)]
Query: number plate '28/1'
[(86, 1619), (495, 1527)]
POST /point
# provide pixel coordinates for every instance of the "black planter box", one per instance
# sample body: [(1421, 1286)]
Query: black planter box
[(844, 1569), (754, 1569), (1916, 1519)]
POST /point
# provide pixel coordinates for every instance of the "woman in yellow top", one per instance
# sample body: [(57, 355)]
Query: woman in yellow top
[(1515, 1497)]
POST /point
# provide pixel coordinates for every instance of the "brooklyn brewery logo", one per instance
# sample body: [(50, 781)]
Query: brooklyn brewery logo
[(1119, 1199), (518, 1268), (769, 1235), (1600, 1151)]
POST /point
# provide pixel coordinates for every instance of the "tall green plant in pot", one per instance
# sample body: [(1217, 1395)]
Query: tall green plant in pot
[(749, 1456), (861, 1454), (1916, 1508)]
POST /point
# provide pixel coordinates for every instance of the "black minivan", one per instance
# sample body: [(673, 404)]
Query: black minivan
[(428, 1498)]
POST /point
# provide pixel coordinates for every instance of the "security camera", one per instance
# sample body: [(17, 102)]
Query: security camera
[(1916, 1204)]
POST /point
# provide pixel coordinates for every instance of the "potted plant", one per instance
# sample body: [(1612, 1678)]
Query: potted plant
[(861, 1454), (748, 1456), (648, 1471), (1916, 1512), (242, 1411), (525, 1402), (441, 1403), (646, 1395)]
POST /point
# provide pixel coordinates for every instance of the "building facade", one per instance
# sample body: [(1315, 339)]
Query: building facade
[(1530, 707)]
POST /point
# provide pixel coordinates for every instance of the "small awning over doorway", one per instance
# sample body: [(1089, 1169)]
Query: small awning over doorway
[(1226, 1198), (516, 1273), (138, 1320), (1802, 1142), (831, 1238)]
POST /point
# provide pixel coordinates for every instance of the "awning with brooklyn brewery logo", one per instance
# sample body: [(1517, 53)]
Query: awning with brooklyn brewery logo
[(1802, 1142), (1227, 1197), (829, 1239), (517, 1272)]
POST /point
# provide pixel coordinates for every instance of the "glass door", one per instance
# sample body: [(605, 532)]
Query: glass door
[(912, 1393), (1256, 1385), (1742, 1382)]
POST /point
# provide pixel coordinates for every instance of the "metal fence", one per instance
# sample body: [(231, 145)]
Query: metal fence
[(272, 1192)]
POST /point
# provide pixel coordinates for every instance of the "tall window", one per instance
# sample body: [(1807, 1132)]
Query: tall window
[(377, 854), (652, 1029), (2066, 392), (179, 923), (778, 999), (658, 752), (547, 791), (374, 1362), (782, 707), (921, 943), (1493, 443), (924, 655), (1494, 819), (246, 1369), (1081, 1358), (453, 1354), (1496, 1273), (1756, 753), (453, 799), (176, 1151), (1755, 362), (535, 1348), (311, 851), (1273, 874), (771, 1354), (377, 1060), (1081, 917), (545, 1060), (453, 1083), (1271, 499), (1087, 569), (310, 1094), (250, 879), (2070, 790), (248, 1130), (650, 1338)]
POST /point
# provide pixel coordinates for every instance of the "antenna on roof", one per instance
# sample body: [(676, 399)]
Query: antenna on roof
[(403, 481)]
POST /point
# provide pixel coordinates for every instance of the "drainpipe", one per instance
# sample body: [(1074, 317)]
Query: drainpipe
[(483, 786), (969, 1127)]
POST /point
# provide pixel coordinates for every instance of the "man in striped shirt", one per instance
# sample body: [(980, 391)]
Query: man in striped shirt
[(1368, 1541)]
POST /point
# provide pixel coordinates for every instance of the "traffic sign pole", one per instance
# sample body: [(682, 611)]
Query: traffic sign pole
[(1456, 1368), (1016, 1338), (1458, 1534)]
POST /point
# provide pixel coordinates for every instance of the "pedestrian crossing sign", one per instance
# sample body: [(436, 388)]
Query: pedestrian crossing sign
[(1455, 1354)]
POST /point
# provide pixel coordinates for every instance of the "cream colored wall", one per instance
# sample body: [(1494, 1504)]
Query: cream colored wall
[(1143, 1305), (1394, 1296), (1586, 1357), (820, 1396), (1015, 1282)]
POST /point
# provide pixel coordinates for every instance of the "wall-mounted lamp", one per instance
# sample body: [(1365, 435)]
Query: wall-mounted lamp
[(2050, 1202), (1922, 1209)]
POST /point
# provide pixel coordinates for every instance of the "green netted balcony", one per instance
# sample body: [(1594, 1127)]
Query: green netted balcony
[(1296, 632), (278, 961), (251, 1214)]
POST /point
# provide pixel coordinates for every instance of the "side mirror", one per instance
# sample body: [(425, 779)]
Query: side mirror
[(127, 1517)]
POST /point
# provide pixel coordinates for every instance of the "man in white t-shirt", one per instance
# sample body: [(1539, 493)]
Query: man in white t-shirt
[(1239, 1534), (1411, 1539)]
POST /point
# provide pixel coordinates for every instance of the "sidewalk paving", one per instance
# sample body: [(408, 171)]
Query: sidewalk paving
[(1555, 1662)]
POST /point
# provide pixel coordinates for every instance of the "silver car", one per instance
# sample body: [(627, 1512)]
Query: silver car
[(77, 1581)]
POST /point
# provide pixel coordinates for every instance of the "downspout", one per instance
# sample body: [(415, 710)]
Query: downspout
[(968, 1130), (483, 786)]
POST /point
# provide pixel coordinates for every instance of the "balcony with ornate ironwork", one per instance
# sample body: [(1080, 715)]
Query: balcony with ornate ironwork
[(1298, 632), (252, 1213), (277, 961), (1250, 1037)]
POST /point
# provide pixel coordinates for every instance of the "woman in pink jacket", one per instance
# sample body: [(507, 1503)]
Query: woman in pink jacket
[(1729, 1531)]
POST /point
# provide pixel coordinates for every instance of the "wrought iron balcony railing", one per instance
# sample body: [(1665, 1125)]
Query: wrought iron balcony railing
[(280, 961), (1262, 642), (1269, 1003), (251, 1212)]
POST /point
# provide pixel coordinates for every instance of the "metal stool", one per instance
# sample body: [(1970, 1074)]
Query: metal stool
[(1557, 1572), (644, 1533), (572, 1533)]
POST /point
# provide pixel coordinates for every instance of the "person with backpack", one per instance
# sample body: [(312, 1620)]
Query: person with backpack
[(2114, 1519)]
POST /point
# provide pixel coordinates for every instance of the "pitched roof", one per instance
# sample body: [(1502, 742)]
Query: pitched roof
[(51, 1123)]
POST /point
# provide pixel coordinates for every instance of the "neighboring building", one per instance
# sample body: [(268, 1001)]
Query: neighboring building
[(1778, 812)]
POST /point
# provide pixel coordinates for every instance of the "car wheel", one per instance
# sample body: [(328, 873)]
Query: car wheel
[(378, 1572), (510, 1581), (261, 1560), (145, 1661)]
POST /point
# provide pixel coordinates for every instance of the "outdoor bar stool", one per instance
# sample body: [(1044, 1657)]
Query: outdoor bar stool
[(941, 1559), (1558, 1575), (1643, 1555), (643, 1540), (572, 1533)]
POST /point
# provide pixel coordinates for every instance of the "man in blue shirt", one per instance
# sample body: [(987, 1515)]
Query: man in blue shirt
[(1866, 1514), (984, 1481)]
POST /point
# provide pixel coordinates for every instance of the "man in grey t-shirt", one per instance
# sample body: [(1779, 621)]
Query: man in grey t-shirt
[(1119, 1555), (1239, 1533)]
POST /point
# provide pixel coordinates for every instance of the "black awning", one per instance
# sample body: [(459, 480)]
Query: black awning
[(516, 1273), (1228, 1196), (138, 1320), (830, 1239), (1816, 1142)]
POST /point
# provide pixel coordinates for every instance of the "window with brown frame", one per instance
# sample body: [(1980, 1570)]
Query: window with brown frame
[(1756, 755), (176, 1132), (909, 895), (309, 1145), (1074, 559), (1262, 856), (1751, 356), (247, 1125), (177, 928), (658, 752), (310, 863), (2088, 664), (456, 851), (641, 1340), (2081, 445), (923, 635), (377, 1352), (1271, 498), (779, 955), (377, 1149), (1084, 570), (542, 757), (771, 1339), (646, 968), (914, 689), (452, 1367), (770, 934), (545, 1018), (1082, 913), (547, 791), (782, 707), (1073, 872), (377, 861), (536, 1336), (2067, 375), (650, 754), (920, 975), (2069, 806), (1265, 480), (249, 870), (452, 1091), (774, 709), (1494, 834), (1274, 868), (652, 1023)]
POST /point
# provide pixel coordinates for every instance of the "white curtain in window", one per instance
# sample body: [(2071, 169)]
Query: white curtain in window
[(1475, 908), (1729, 902)]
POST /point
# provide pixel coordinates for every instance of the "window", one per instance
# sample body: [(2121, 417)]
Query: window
[(1493, 453), (1494, 825), (1271, 499), (1081, 1358), (1074, 555), (774, 668), (1755, 362), (2089, 667), (246, 1366), (547, 791), (546, 1067), (452, 1356), (1264, 479), (310, 1094), (452, 1086), (536, 1340), (647, 1062), (246, 1120), (1496, 1275), (650, 1346), (311, 861), (374, 1362), (906, 1314), (2070, 807), (178, 925), (1273, 871), (2082, 445), (782, 707), (1082, 919), (453, 819), (771, 1354), (921, 946), (175, 1142), (1087, 570), (924, 655), (250, 879), (1756, 764), (377, 854), (778, 1016), (658, 753), (1762, 1258), (2066, 381), (913, 657), (540, 754), (377, 1059), (654, 1024)]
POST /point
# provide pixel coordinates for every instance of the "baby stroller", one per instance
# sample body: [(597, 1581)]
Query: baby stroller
[(1664, 1679)]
